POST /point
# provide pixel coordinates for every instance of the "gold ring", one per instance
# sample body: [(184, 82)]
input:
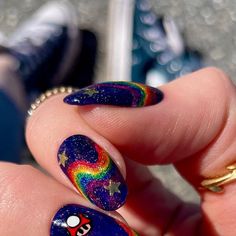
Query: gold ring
[(47, 95), (216, 184)]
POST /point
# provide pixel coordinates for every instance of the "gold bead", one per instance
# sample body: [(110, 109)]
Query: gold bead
[(47, 95)]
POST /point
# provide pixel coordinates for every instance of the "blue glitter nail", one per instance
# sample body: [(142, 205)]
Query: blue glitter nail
[(126, 94), (76, 220), (92, 171)]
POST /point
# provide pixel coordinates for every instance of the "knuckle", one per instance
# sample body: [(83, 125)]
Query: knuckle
[(215, 71), (219, 83), (218, 76)]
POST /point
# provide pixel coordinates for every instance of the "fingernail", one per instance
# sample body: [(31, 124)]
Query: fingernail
[(126, 94), (76, 220), (92, 171)]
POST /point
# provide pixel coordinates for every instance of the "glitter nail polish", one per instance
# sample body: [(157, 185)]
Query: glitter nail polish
[(76, 220), (92, 171), (125, 94)]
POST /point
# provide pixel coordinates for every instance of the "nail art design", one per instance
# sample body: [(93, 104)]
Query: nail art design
[(76, 220), (126, 94), (92, 171)]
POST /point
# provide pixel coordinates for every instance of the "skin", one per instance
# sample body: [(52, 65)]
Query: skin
[(194, 128), (10, 82)]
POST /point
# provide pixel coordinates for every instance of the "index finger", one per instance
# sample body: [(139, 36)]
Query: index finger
[(65, 146)]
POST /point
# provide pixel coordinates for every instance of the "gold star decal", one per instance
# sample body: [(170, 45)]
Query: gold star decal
[(113, 187), (63, 158), (90, 92)]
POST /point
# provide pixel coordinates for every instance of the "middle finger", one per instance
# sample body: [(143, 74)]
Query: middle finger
[(65, 145)]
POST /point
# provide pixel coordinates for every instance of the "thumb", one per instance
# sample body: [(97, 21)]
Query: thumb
[(194, 127)]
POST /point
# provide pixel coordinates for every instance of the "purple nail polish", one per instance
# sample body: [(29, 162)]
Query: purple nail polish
[(126, 94), (92, 171), (76, 220)]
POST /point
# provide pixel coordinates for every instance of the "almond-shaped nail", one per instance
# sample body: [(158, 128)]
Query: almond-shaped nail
[(92, 171), (125, 94), (77, 220)]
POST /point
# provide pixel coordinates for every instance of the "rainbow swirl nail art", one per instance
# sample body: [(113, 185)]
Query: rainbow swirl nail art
[(126, 94), (92, 171), (76, 220)]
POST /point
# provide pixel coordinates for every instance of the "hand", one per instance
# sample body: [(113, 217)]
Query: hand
[(193, 127)]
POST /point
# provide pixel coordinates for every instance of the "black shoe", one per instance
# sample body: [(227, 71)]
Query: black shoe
[(46, 46)]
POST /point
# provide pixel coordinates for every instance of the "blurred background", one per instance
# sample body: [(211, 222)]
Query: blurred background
[(207, 26)]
